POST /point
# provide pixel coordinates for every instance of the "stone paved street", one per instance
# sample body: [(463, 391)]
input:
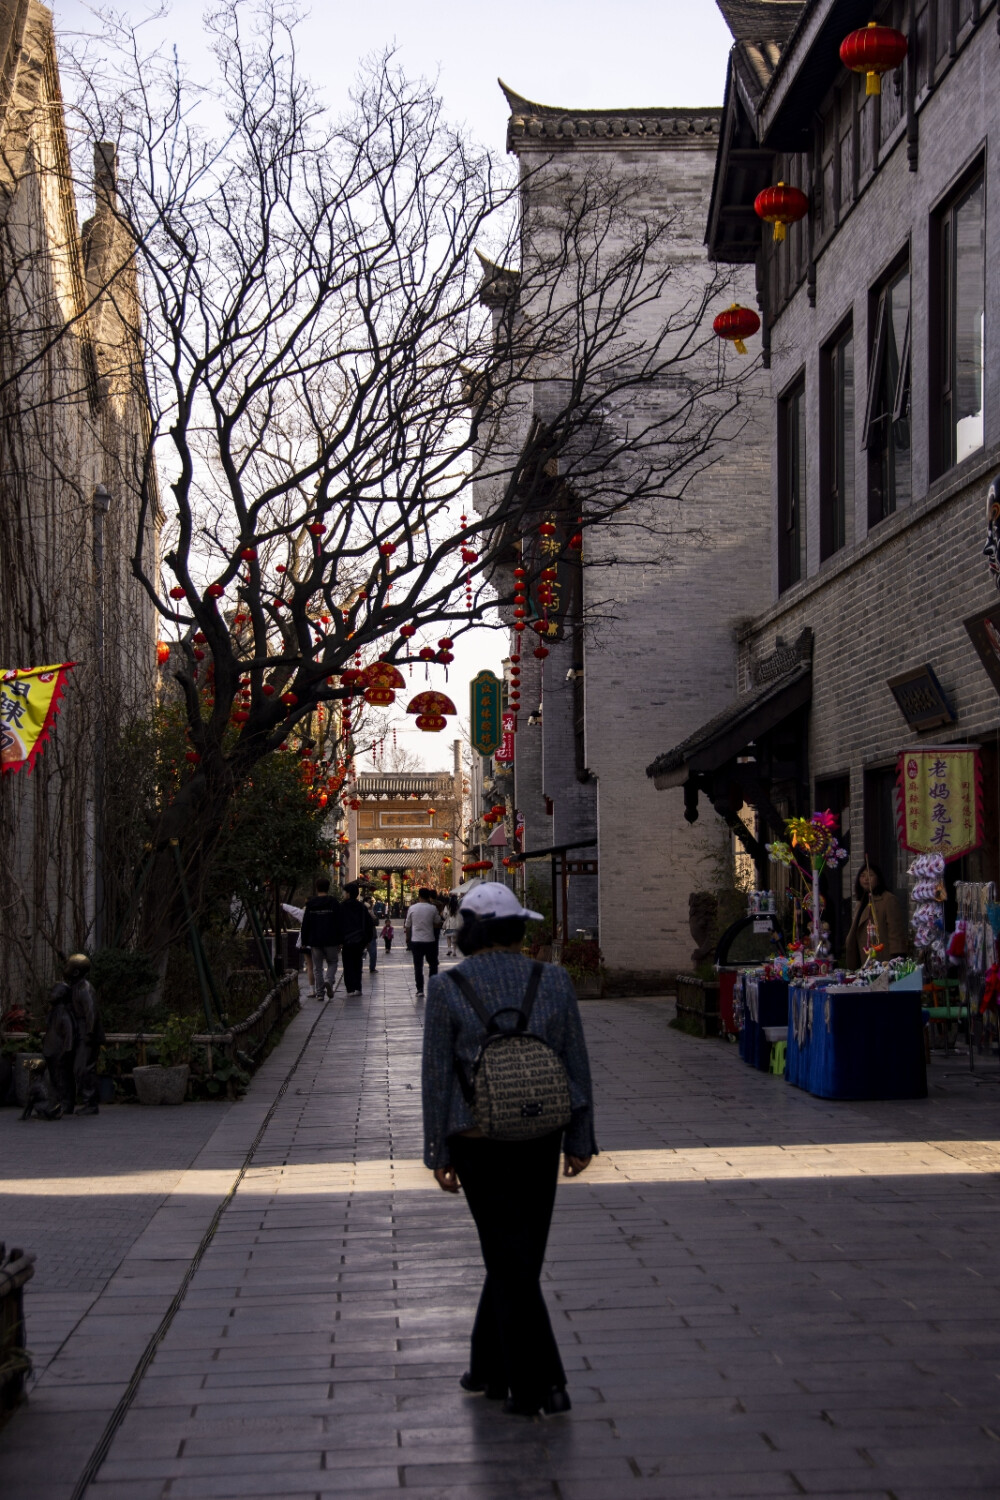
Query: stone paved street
[(756, 1293)]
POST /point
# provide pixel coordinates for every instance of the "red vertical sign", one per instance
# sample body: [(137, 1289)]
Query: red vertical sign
[(505, 750)]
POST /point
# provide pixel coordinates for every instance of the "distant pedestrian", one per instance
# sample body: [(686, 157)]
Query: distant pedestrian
[(451, 926), (422, 925), (388, 933), (373, 944), (509, 1182), (321, 935), (357, 929)]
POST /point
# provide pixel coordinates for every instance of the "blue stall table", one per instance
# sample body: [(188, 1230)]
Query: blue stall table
[(765, 1005), (857, 1042)]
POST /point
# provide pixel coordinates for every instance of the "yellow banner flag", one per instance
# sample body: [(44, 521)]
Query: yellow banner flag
[(29, 701), (940, 800)]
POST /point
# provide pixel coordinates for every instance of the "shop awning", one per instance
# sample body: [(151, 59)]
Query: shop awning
[(731, 731)]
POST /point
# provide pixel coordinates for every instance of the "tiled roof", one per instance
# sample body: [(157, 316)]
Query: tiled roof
[(560, 126), (760, 20)]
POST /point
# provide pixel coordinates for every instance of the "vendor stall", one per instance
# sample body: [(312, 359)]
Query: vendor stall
[(763, 1014), (860, 1040)]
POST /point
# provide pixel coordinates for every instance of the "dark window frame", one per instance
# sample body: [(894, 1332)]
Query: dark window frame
[(879, 438), (836, 452), (943, 291), (792, 501)]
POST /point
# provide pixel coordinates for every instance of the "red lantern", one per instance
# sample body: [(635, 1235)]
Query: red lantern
[(547, 528), (736, 324), (468, 556), (268, 689), (576, 542), (240, 716), (541, 652), (177, 592), (387, 548), (162, 652), (407, 631), (445, 658), (477, 864), (427, 653), (249, 554), (192, 756), (873, 50), (215, 591), (446, 643), (518, 625), (280, 568), (781, 205), (316, 529), (290, 698)]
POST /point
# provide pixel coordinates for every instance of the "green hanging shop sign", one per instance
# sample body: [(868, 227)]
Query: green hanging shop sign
[(484, 716)]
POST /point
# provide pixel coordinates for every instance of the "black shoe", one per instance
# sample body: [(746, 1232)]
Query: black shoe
[(482, 1388), (554, 1404), (87, 1109)]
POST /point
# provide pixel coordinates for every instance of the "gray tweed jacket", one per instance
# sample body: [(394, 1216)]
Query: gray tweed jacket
[(452, 1029)]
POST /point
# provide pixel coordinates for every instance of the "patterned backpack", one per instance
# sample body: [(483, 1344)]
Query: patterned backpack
[(519, 1089)]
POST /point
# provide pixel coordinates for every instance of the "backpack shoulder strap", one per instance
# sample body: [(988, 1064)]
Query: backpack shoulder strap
[(470, 995), (534, 980)]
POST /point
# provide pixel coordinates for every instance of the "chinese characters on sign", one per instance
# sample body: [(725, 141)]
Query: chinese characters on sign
[(505, 754), (940, 804), (29, 702), (485, 713)]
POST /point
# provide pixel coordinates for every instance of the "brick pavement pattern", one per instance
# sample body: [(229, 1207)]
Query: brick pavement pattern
[(756, 1293)]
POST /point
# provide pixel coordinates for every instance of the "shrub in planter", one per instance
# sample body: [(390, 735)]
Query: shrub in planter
[(166, 1082)]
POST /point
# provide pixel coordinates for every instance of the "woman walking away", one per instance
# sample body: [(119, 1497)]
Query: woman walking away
[(388, 933), (506, 1083), (878, 920)]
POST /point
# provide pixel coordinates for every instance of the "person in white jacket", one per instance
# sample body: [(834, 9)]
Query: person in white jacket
[(422, 925)]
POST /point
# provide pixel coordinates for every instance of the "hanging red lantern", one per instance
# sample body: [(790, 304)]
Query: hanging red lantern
[(873, 50), (445, 658), (215, 591), (177, 592), (736, 324), (576, 542), (192, 756), (446, 643), (781, 205), (281, 568), (477, 864), (407, 631), (468, 556), (547, 528), (290, 698), (541, 652), (239, 716), (249, 554), (268, 689), (162, 653), (387, 548), (518, 626), (316, 529), (426, 653)]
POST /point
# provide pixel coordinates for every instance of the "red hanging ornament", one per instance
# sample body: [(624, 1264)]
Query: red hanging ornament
[(162, 653), (177, 592), (873, 50), (576, 542), (541, 652), (737, 324), (290, 698), (546, 528), (316, 528), (249, 554), (215, 591), (781, 205), (268, 689)]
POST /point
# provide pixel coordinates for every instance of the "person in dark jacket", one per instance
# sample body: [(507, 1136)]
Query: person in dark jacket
[(878, 912), (357, 930), (510, 1186), (321, 934), (88, 1033)]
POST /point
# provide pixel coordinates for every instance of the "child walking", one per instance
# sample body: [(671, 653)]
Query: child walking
[(388, 933)]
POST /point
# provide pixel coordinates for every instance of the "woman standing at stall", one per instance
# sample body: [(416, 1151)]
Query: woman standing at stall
[(879, 911), (509, 1184)]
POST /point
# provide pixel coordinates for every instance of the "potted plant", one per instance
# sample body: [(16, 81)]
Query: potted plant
[(581, 957), (166, 1082)]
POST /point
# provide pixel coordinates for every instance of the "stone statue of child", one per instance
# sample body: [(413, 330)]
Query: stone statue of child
[(88, 1033), (58, 1048)]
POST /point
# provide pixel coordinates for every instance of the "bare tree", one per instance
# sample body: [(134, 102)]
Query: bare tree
[(328, 367)]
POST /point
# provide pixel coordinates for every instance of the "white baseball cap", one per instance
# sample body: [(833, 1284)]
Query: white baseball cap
[(493, 900)]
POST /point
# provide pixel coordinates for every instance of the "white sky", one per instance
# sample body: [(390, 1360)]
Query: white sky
[(577, 53)]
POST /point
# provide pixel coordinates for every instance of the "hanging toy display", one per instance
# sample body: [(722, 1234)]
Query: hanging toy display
[(928, 896)]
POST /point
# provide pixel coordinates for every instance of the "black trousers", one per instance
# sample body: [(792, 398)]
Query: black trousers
[(352, 956), (510, 1187), (420, 952)]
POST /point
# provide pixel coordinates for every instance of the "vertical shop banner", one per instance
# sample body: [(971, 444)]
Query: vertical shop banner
[(940, 800), (29, 701), (484, 712), (505, 752)]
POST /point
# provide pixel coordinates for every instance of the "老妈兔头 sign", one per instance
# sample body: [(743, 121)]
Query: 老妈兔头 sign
[(940, 800), (484, 716)]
